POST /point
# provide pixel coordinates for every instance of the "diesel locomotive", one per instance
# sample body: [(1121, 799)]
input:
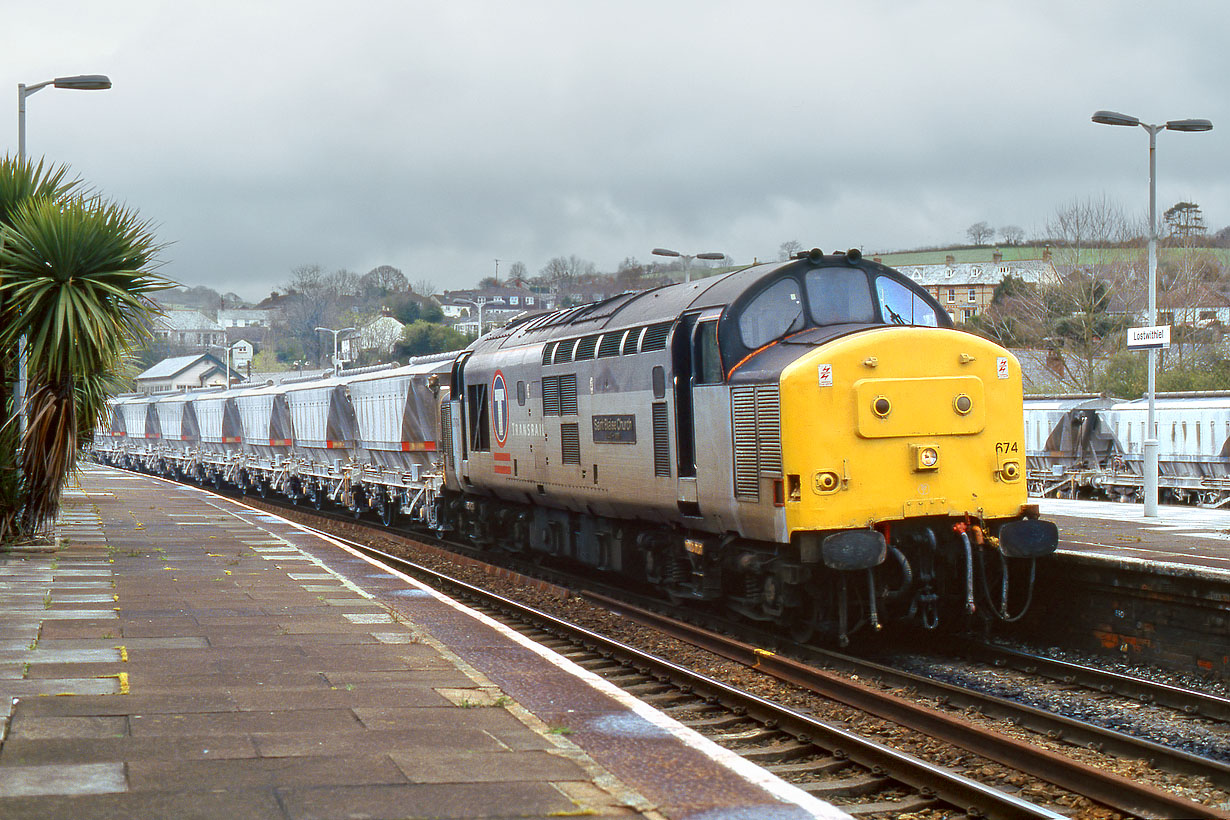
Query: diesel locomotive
[(808, 443)]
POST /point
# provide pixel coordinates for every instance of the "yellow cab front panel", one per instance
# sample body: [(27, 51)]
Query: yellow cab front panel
[(901, 422)]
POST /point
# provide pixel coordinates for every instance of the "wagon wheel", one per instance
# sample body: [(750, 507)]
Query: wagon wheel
[(242, 482), (316, 495), (262, 487), (387, 508), (360, 502)]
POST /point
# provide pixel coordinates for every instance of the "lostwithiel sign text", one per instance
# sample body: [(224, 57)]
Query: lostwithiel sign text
[(1146, 338)]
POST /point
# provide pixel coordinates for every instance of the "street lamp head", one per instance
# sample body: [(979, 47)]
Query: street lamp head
[(710, 256), (1189, 125), (665, 252), (84, 82), (1114, 118)]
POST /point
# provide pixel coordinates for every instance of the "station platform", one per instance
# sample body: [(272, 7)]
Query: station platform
[(1189, 541), (182, 655), (1153, 591)]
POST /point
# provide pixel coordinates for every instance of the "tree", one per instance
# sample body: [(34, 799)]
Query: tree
[(423, 287), (517, 272), (979, 233), (788, 249), (423, 338), (560, 272), (380, 282), (1184, 221), (315, 299), (76, 281), (488, 282), (1012, 234)]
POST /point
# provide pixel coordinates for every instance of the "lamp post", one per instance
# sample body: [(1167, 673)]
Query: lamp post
[(687, 259), (336, 365), (80, 82), (1149, 445), (478, 305), (226, 348)]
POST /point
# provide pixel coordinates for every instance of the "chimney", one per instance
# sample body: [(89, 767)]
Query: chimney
[(1046, 254), (998, 256), (950, 259)]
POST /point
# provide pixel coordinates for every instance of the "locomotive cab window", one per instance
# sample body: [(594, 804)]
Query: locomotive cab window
[(899, 305), (708, 359), (478, 416), (839, 296), (778, 310)]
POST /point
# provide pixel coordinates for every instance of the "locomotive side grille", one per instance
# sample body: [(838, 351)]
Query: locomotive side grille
[(609, 346), (446, 430), (661, 441), (570, 443), (550, 395), (655, 337), (563, 351), (743, 430), (631, 340), (547, 350), (568, 395), (586, 347), (769, 429)]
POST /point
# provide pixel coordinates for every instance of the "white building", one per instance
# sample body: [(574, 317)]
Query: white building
[(180, 372), (189, 328), (246, 318)]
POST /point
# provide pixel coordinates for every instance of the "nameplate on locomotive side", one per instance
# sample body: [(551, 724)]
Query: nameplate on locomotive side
[(619, 429)]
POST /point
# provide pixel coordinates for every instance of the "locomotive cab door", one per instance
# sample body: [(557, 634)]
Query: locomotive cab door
[(692, 360), (457, 416)]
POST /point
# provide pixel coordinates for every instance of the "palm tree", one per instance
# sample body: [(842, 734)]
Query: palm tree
[(76, 275), (21, 180)]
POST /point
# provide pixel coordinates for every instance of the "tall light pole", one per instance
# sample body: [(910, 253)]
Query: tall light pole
[(687, 259), (478, 305), (80, 82), (336, 364), (1150, 441), (227, 352)]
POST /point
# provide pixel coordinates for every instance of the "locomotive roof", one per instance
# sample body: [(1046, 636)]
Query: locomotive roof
[(643, 307), (667, 303)]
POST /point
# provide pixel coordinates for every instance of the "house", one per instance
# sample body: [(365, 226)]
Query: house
[(380, 334), (188, 328), (247, 318), (242, 352), (182, 372), (455, 302), (964, 282)]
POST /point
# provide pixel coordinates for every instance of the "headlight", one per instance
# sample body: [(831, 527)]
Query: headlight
[(963, 404)]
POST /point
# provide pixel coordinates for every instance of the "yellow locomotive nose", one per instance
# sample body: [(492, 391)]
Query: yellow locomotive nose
[(905, 422)]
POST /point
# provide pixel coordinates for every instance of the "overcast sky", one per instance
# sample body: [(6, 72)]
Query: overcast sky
[(260, 135)]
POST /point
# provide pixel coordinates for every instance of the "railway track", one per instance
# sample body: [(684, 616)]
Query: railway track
[(1143, 691), (754, 726), (863, 778)]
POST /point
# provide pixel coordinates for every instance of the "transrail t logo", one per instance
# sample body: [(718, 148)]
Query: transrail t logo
[(499, 407)]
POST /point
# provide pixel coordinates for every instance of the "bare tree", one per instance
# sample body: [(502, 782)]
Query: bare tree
[(314, 300), (560, 272), (381, 281), (423, 287), (1012, 234), (788, 249), (979, 233), (516, 271)]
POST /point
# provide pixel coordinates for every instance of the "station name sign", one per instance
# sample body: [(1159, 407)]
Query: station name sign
[(1148, 338)]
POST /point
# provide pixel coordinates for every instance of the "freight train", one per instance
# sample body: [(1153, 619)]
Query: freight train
[(1089, 446), (807, 443)]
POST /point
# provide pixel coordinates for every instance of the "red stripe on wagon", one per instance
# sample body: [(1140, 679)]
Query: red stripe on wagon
[(418, 446), (279, 442)]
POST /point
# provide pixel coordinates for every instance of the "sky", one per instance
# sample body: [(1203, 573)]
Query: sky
[(261, 135)]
